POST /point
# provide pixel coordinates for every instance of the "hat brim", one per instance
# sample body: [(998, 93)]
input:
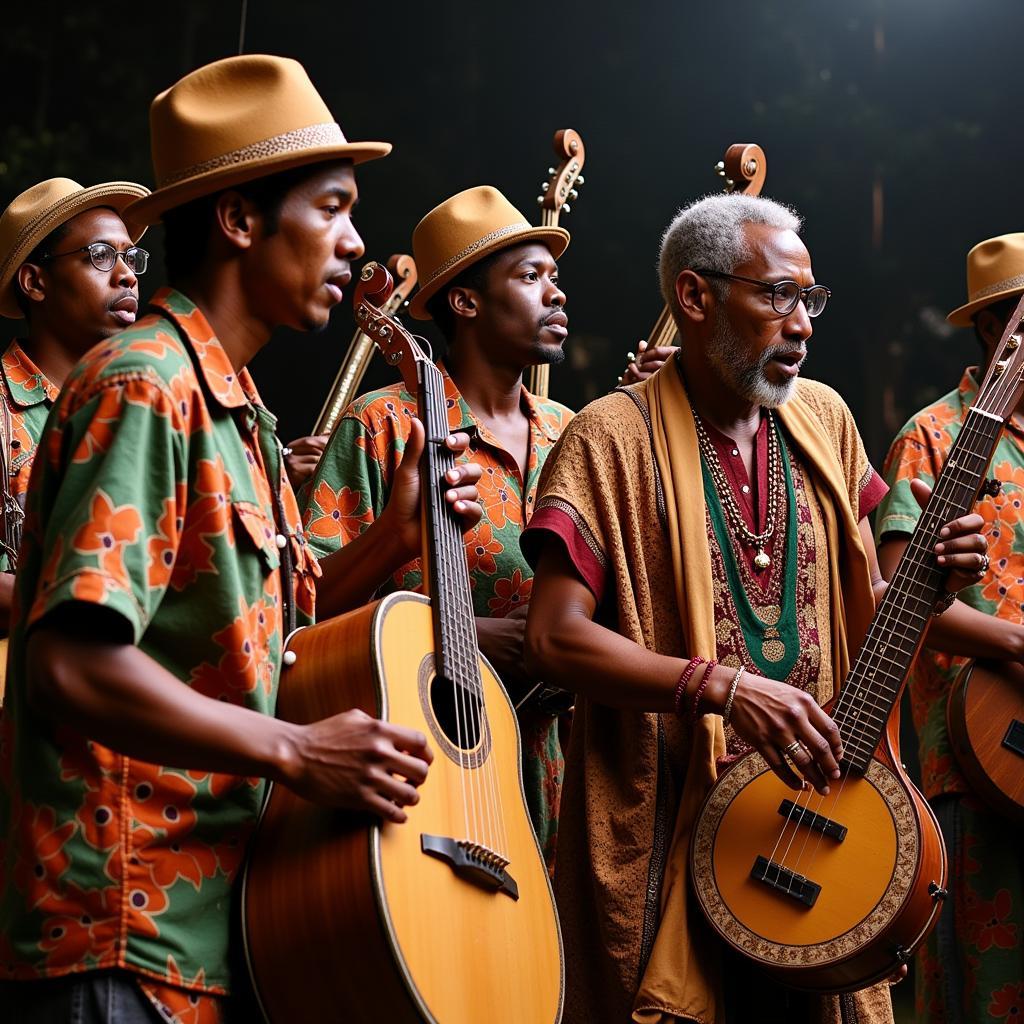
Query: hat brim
[(964, 315), (152, 208), (556, 239), (118, 195)]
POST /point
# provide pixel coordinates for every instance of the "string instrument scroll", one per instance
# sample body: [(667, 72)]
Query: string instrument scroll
[(743, 171), (361, 349), (557, 195)]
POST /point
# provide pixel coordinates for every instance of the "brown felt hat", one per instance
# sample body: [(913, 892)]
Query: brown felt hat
[(236, 120), (995, 270), (43, 208), (465, 229)]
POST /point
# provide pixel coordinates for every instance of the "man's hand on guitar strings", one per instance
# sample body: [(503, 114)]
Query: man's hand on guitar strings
[(962, 549)]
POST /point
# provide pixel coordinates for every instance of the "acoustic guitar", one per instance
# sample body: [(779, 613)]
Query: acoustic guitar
[(361, 348), (985, 717), (833, 893), (743, 170), (449, 917), (557, 195)]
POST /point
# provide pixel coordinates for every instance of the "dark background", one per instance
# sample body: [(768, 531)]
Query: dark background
[(892, 125)]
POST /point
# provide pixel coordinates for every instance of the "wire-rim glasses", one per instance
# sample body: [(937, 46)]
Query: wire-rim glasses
[(103, 256), (785, 294)]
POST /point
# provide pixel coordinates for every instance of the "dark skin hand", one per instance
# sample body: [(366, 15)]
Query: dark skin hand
[(501, 641), (647, 361), (301, 462)]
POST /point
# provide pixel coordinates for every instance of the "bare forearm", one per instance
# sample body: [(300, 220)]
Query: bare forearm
[(966, 631), (119, 696)]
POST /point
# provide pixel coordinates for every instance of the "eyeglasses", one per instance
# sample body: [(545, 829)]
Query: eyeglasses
[(785, 294), (103, 256)]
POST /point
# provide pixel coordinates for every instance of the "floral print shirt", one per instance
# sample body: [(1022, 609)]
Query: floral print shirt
[(155, 496), (28, 396), (919, 452), (350, 489)]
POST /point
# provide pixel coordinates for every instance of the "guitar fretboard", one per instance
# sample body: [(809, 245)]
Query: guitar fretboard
[(897, 629)]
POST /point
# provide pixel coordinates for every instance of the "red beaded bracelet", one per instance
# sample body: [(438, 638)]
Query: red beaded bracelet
[(705, 679), (684, 679)]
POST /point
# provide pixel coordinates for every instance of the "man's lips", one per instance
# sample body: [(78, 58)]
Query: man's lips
[(337, 284), (789, 362), (125, 309), (558, 323)]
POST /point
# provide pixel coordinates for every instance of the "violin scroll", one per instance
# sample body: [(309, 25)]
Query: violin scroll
[(560, 189), (743, 168)]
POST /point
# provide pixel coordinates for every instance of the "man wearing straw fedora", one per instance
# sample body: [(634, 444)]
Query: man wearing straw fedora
[(490, 283), (970, 969), (163, 564), (69, 267)]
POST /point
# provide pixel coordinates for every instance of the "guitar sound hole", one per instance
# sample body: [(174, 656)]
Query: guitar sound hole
[(458, 713)]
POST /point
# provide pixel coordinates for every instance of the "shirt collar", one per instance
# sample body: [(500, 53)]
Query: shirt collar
[(227, 387), (26, 383), (460, 416)]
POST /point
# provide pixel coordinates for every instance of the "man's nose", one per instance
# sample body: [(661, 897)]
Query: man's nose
[(350, 243), (123, 276)]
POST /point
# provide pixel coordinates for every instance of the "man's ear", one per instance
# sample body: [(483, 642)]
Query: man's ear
[(32, 282), (694, 296), (463, 302), (235, 217), (990, 327)]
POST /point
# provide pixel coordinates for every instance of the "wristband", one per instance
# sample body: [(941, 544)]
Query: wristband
[(684, 679), (727, 710), (704, 680)]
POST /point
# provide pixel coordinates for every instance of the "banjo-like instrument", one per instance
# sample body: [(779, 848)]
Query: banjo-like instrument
[(832, 893)]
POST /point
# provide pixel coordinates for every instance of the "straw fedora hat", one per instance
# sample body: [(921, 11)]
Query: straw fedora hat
[(995, 270), (465, 229), (43, 208), (236, 120)]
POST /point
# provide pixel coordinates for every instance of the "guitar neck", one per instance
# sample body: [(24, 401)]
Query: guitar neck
[(538, 377), (897, 630), (664, 331), (445, 570)]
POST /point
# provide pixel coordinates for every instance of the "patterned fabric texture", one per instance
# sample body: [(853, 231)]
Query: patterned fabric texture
[(979, 940), (350, 489), (154, 497)]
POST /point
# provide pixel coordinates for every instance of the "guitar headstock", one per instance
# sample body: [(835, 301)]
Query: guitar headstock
[(398, 347), (1003, 385), (403, 270), (743, 168), (560, 189)]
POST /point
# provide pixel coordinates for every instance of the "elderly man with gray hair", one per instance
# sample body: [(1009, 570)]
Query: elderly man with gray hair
[(686, 541)]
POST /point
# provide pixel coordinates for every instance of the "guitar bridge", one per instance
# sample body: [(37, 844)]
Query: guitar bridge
[(473, 862), (787, 882), (815, 822)]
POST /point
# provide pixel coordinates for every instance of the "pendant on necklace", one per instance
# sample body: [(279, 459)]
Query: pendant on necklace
[(762, 560)]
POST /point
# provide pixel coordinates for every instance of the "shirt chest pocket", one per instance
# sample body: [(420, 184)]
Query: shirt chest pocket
[(255, 530)]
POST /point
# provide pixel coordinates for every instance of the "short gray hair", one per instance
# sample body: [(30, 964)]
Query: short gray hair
[(709, 233)]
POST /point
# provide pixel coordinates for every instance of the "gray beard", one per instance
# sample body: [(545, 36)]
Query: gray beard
[(726, 355)]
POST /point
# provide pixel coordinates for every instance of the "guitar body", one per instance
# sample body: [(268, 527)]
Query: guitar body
[(881, 882), (346, 918), (985, 717)]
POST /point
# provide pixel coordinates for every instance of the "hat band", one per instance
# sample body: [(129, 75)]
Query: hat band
[(491, 236), (999, 286), (316, 135)]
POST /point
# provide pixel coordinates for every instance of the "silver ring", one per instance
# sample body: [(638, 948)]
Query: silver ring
[(791, 748), (983, 568)]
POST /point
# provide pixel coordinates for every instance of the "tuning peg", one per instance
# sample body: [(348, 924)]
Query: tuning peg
[(551, 170), (573, 194), (566, 208), (545, 186), (720, 168), (630, 357), (540, 200), (580, 180)]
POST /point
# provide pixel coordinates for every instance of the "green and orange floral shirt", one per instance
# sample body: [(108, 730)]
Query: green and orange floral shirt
[(154, 495), (28, 396), (351, 487), (919, 452)]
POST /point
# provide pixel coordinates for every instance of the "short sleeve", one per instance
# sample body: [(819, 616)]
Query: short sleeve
[(347, 492), (110, 499), (912, 456)]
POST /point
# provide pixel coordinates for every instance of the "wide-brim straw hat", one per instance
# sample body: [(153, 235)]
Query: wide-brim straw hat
[(995, 270), (237, 120), (465, 229), (44, 208)]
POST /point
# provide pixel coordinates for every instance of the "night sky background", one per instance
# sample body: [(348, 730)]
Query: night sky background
[(893, 126)]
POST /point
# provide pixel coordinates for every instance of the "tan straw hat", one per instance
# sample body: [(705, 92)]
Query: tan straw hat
[(236, 120), (465, 229), (43, 208), (995, 270)]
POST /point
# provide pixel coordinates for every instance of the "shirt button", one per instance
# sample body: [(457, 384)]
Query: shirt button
[(745, 489), (281, 540), (735, 451)]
